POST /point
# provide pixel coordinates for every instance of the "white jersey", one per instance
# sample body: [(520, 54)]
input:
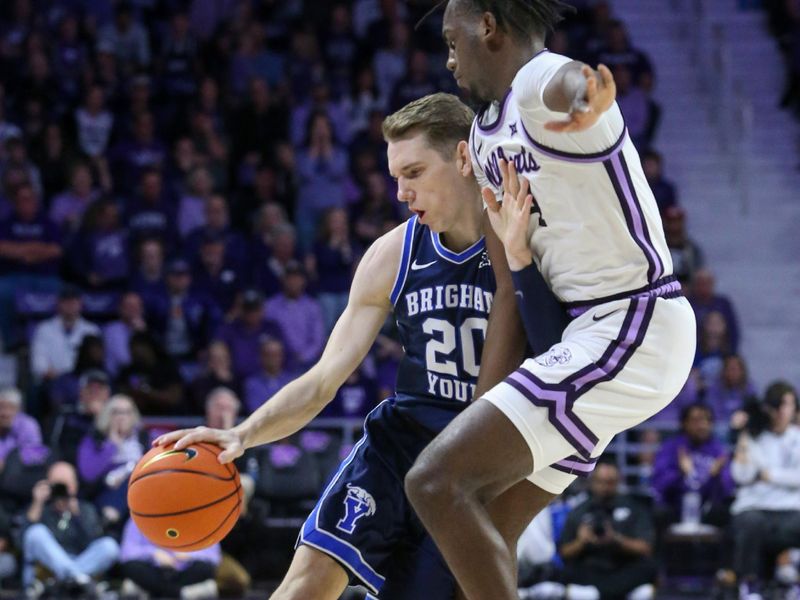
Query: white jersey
[(595, 230)]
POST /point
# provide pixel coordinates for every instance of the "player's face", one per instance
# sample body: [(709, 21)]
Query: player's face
[(467, 58), (425, 181)]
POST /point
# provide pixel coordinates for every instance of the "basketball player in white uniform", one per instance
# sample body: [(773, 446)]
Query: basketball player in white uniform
[(592, 227)]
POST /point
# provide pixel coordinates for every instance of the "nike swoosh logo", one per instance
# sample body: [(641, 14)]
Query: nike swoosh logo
[(416, 266), (190, 453), (520, 294), (596, 318)]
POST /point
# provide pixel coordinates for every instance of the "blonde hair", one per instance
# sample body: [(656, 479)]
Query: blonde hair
[(103, 419), (442, 118)]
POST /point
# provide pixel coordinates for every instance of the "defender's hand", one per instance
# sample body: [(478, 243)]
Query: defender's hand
[(593, 101), (229, 440), (510, 218)]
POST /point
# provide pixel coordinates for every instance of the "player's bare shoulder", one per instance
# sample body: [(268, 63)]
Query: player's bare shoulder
[(376, 273)]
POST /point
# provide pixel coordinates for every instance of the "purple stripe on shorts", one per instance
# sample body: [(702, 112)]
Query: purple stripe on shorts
[(559, 398), (575, 465)]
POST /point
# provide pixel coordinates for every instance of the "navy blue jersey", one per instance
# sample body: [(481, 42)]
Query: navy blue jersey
[(441, 303)]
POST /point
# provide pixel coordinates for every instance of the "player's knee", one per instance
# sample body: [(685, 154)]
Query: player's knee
[(427, 486)]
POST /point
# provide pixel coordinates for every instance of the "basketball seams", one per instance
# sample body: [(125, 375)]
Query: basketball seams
[(236, 509), (179, 470), (212, 448), (188, 510)]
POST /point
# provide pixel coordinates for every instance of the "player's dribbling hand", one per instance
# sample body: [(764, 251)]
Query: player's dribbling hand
[(227, 439), (592, 101), (510, 218)]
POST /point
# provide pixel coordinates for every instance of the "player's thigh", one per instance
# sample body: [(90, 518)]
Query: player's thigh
[(479, 451), (312, 575)]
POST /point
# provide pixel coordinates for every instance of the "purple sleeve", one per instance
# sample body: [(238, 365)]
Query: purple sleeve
[(94, 460), (28, 436), (667, 473)]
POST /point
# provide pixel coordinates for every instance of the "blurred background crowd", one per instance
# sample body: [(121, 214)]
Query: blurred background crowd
[(185, 189)]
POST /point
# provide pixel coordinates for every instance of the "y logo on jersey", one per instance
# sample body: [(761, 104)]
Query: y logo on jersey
[(358, 503)]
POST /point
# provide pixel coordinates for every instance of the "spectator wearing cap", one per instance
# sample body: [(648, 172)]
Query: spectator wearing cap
[(75, 422), (152, 378), (30, 251), (217, 224), (217, 278), (67, 209), (18, 431), (271, 377), (218, 372), (246, 332), (686, 255), (705, 299), (55, 341), (151, 214), (300, 318), (332, 262), (181, 319), (117, 334), (64, 389), (148, 279), (693, 460)]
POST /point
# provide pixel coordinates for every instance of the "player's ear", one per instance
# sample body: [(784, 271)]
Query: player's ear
[(488, 27), (463, 159)]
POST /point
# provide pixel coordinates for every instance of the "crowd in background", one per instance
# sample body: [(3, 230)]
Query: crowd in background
[(185, 189)]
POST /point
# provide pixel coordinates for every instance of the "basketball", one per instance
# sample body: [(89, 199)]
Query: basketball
[(184, 499)]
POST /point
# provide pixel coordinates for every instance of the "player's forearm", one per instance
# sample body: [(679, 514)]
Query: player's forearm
[(540, 310), (291, 409)]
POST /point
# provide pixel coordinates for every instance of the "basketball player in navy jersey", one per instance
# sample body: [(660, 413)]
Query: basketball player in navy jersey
[(590, 225), (434, 277)]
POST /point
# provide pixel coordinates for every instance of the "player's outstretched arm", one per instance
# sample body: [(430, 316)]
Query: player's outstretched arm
[(302, 399), (582, 92)]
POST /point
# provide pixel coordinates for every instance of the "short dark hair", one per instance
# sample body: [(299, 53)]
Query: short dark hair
[(523, 17), (687, 410)]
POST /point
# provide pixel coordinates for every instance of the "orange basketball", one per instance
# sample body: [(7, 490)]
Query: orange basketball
[(184, 499)]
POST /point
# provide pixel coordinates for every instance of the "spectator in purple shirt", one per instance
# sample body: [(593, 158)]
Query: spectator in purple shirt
[(149, 569), (322, 167), (704, 300), (332, 262), (191, 208), (152, 214), (217, 277), (728, 394), (663, 189), (694, 460), (300, 318), (357, 396), (107, 455), (713, 345), (67, 209), (30, 251), (18, 431), (246, 332), (272, 376), (142, 152), (148, 276), (117, 334), (70, 56), (100, 254), (217, 223)]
